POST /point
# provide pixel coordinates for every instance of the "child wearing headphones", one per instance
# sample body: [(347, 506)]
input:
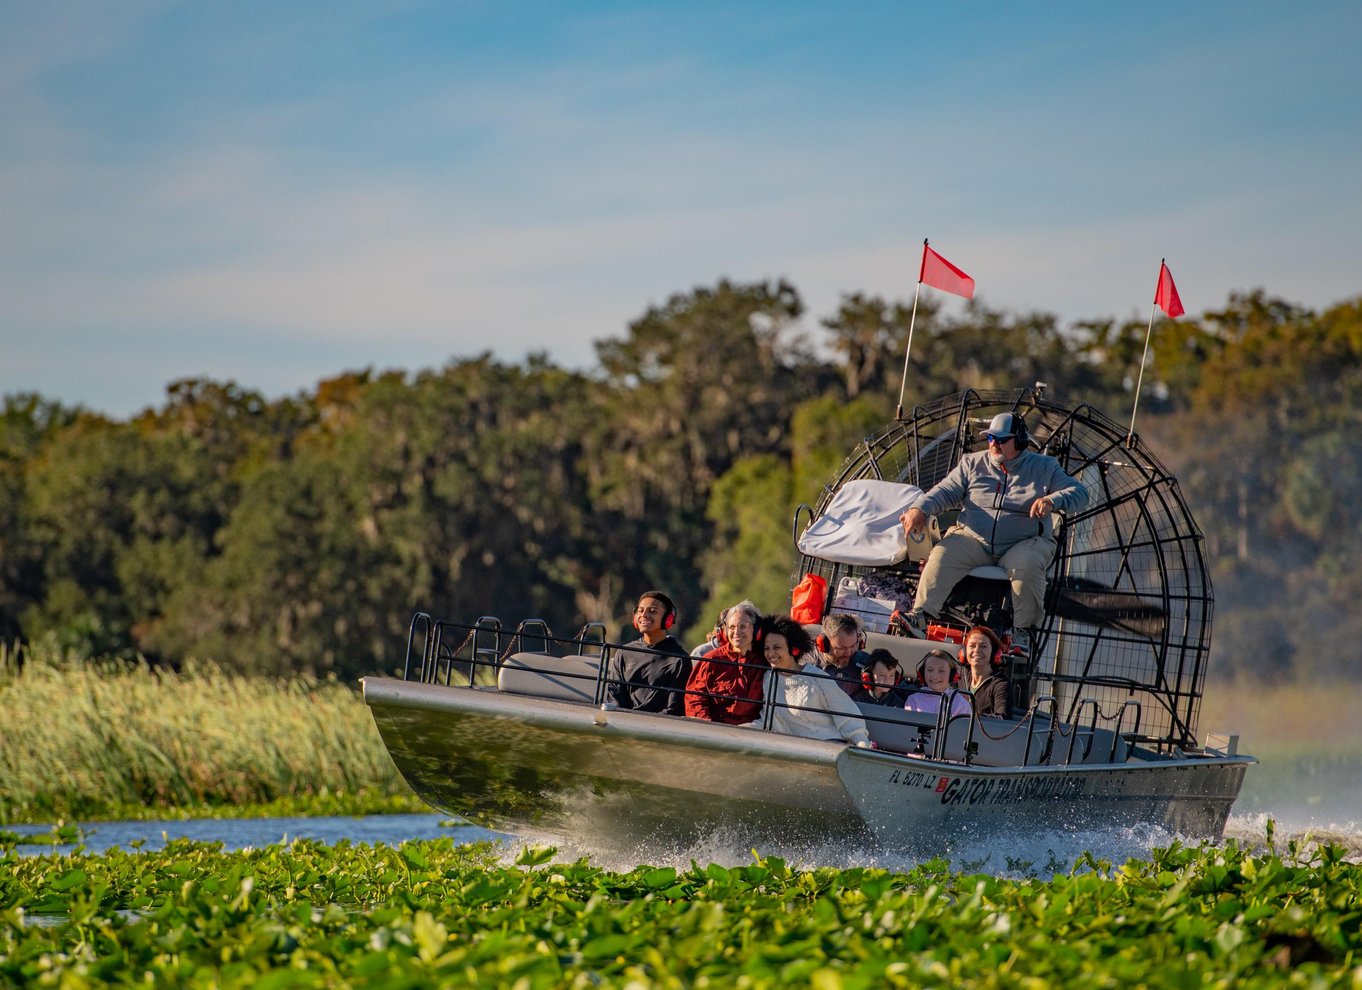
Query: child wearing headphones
[(982, 653), (804, 700), (937, 676), (650, 673), (882, 681)]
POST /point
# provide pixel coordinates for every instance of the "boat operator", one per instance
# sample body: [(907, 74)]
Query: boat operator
[(1007, 495)]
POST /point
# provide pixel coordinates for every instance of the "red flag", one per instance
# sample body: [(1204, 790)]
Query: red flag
[(941, 274), (1166, 295)]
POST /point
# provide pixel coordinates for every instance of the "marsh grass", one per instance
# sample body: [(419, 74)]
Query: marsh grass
[(111, 739)]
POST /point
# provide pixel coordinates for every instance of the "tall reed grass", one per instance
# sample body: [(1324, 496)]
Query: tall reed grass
[(80, 738)]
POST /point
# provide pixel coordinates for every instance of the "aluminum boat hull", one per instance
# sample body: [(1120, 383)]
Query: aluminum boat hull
[(618, 779)]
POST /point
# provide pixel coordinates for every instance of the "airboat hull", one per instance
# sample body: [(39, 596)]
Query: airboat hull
[(533, 766), (933, 804)]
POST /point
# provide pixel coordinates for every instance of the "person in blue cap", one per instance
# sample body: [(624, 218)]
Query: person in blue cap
[(1007, 496)]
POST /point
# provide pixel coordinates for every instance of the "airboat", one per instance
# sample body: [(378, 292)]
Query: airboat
[(508, 726)]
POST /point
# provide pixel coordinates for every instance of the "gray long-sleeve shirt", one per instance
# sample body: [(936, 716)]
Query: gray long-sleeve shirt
[(995, 502)]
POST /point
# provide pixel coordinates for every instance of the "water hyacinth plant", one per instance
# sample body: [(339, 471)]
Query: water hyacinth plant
[(434, 913)]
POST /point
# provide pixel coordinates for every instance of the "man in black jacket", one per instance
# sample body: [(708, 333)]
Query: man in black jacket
[(840, 650), (649, 674)]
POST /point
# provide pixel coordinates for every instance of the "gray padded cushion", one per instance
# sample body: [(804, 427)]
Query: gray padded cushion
[(561, 678)]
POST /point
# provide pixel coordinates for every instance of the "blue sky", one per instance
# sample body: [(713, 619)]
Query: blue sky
[(274, 193)]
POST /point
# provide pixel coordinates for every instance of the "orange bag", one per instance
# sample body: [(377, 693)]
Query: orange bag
[(807, 598)]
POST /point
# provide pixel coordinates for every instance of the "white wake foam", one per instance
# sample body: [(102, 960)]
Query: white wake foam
[(1022, 856)]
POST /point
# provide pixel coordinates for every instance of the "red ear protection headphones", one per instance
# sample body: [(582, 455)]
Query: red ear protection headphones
[(995, 660), (950, 661), (825, 645), (868, 676)]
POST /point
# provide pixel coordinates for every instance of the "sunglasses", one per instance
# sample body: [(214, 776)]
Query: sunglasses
[(994, 438)]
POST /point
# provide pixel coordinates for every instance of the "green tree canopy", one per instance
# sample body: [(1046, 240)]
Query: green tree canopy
[(300, 533)]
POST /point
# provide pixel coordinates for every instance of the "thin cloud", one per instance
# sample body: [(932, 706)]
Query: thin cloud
[(539, 193)]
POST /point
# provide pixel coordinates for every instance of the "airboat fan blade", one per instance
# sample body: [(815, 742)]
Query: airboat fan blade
[(1082, 600)]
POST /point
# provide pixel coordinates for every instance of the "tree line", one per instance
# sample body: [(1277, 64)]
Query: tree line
[(300, 533)]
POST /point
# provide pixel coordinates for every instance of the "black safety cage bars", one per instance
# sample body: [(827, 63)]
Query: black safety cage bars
[(1129, 600)]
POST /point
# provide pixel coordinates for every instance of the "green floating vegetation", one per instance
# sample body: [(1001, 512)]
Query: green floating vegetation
[(116, 740), (436, 913)]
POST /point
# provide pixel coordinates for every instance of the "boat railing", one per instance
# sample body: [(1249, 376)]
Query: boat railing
[(531, 660), (1077, 729), (532, 631), (487, 630), (423, 621), (802, 507), (971, 745), (591, 637), (944, 719), (1133, 734), (1031, 733)]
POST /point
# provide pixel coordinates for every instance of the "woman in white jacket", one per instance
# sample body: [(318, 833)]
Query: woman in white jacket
[(805, 701)]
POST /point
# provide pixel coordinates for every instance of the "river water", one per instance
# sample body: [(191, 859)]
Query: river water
[(1307, 805), (243, 833), (1022, 855)]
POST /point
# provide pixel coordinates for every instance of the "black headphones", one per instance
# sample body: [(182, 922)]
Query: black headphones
[(996, 660), (1019, 432), (950, 662), (668, 608)]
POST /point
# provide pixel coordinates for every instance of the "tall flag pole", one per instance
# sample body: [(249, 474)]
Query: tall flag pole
[(1165, 298), (939, 273), (898, 413)]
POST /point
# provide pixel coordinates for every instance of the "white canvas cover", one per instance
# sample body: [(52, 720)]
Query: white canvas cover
[(861, 524)]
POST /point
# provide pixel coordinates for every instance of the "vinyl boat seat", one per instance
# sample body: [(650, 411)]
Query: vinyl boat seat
[(570, 678)]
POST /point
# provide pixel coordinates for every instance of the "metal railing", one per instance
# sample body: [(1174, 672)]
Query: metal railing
[(455, 654)]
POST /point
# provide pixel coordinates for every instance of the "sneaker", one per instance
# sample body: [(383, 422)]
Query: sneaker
[(1021, 640), (915, 623)]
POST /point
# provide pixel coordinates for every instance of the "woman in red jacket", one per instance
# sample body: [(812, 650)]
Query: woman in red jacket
[(726, 685)]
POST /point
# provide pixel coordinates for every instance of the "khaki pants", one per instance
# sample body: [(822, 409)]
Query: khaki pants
[(958, 553)]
